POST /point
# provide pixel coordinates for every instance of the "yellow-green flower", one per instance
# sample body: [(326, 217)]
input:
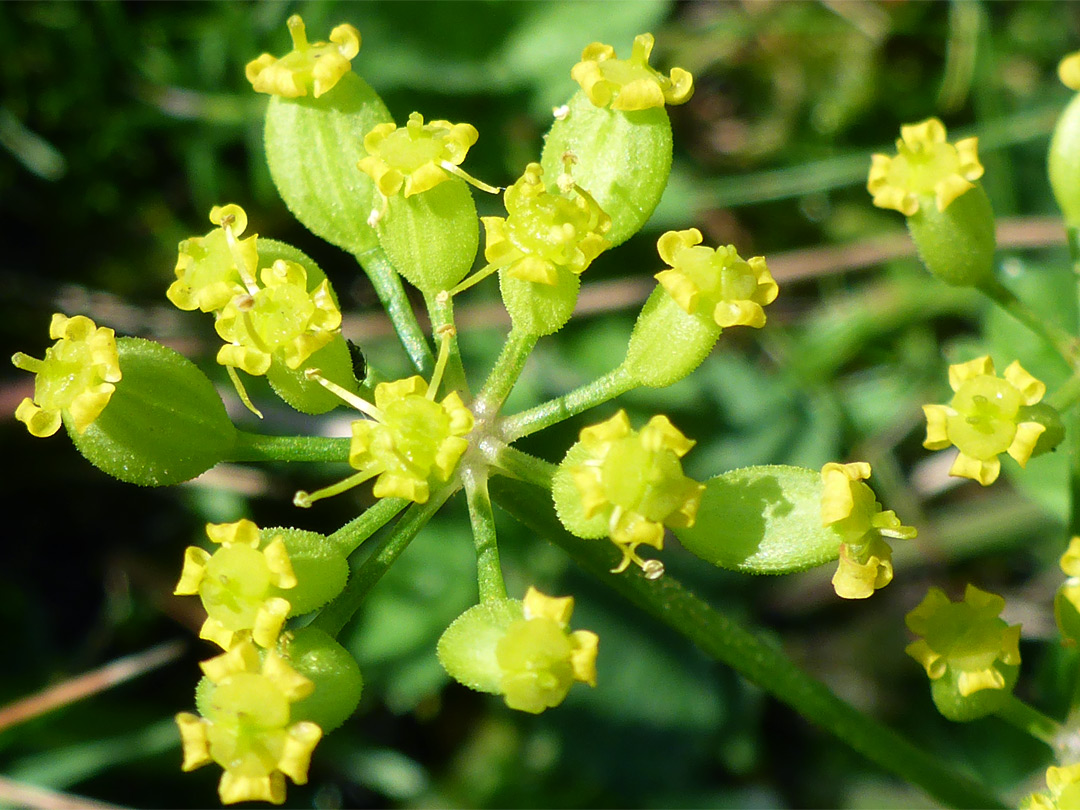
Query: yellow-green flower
[(211, 270), (849, 506), (1067, 598), (539, 659), (1064, 790), (985, 418), (280, 318), (545, 234), (416, 157), (635, 480), (1069, 71), (629, 84), (308, 66), (965, 639), (716, 283), (238, 584), (247, 728), (926, 166), (77, 376)]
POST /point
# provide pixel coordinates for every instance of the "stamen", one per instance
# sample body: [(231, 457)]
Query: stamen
[(305, 499), (238, 257), (475, 278), (297, 32), (446, 332), (27, 363), (468, 178), (242, 392), (348, 397)]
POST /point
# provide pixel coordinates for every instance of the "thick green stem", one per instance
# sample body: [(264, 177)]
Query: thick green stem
[(1057, 338), (1066, 395), (513, 462), (1072, 422), (489, 575), (388, 287), (441, 310), (556, 410), (335, 616), (356, 531), (1030, 720), (756, 659), (504, 374), (259, 447)]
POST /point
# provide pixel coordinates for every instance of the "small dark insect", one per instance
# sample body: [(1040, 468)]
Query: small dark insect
[(359, 363)]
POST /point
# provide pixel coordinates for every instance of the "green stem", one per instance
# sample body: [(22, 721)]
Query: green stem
[(556, 410), (747, 652), (386, 549), (1057, 338), (489, 575), (1072, 422), (504, 374), (356, 531), (388, 287), (259, 447), (441, 310), (1030, 720), (1066, 395), (513, 462)]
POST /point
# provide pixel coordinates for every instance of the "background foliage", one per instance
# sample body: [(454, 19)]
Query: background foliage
[(120, 125)]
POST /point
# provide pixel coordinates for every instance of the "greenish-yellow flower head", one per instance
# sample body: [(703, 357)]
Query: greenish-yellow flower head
[(1069, 71), (77, 376), (416, 157), (239, 584), (545, 235), (281, 318), (1063, 790), (629, 84), (212, 269), (308, 67), (849, 507), (634, 479), (985, 418), (412, 442), (715, 284), (967, 639), (926, 168), (539, 659), (247, 729)]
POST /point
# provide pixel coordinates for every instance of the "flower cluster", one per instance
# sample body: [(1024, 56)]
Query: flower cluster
[(77, 377), (925, 167), (1063, 790), (248, 728), (262, 315), (718, 284), (633, 482), (849, 507), (966, 641), (629, 84), (985, 418), (545, 234), (308, 66), (238, 584)]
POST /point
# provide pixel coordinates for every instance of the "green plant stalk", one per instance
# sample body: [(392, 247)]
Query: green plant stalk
[(356, 531), (385, 551), (1053, 335), (1072, 422), (489, 577), (600, 390), (517, 464), (757, 660), (391, 293), (1067, 394), (260, 447), (441, 310), (1030, 720), (504, 374)]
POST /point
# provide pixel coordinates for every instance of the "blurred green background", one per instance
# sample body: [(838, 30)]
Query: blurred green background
[(122, 124)]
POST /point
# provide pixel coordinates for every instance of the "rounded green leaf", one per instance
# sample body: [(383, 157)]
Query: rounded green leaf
[(312, 148), (957, 244), (539, 309), (335, 673), (762, 520), (959, 708), (567, 497), (467, 647), (164, 423), (623, 159), (320, 567), (1064, 163), (667, 343)]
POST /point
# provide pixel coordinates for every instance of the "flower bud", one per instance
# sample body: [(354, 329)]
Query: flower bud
[(1042, 413), (1063, 789), (1064, 157), (1067, 598), (520, 650), (335, 673)]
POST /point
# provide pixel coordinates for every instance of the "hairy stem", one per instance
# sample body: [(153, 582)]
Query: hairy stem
[(504, 374), (561, 408), (391, 293), (259, 447), (356, 531), (1053, 335), (441, 310), (489, 575), (724, 639)]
